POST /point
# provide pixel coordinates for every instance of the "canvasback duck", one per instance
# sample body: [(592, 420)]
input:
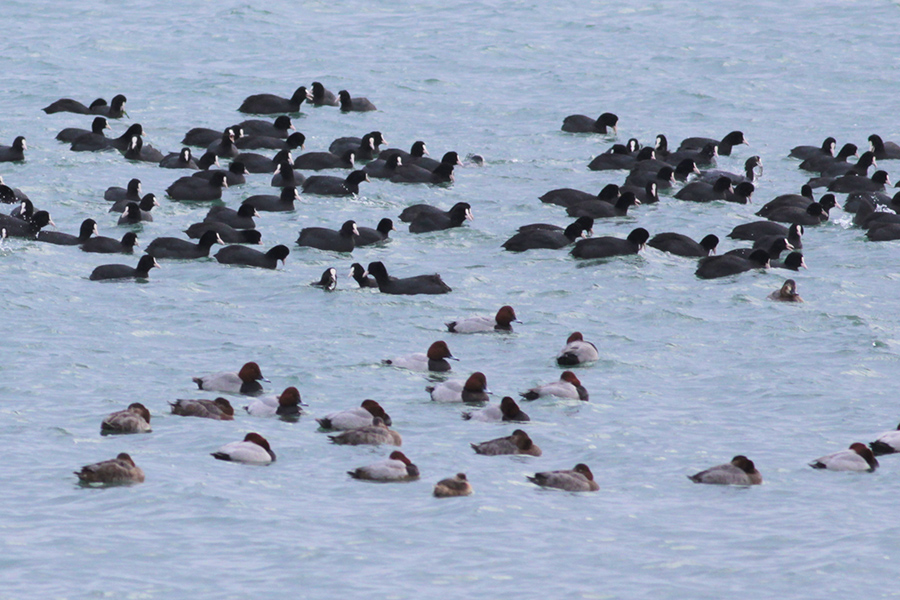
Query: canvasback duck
[(500, 322), (457, 485), (568, 386), (117, 471), (517, 443), (579, 479), (285, 405), (375, 434), (508, 410), (786, 293), (395, 468), (858, 457), (434, 360), (577, 351), (740, 471), (134, 419), (886, 443), (253, 450), (354, 418), (245, 381), (219, 409), (474, 389)]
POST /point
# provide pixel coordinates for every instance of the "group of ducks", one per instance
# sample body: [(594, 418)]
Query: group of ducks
[(650, 170), (368, 424)]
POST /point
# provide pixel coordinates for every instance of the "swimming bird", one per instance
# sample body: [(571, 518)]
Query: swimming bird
[(577, 351), (406, 286), (198, 190), (268, 104), (724, 145), (254, 449), (369, 435), (366, 236), (117, 271), (804, 152), (473, 389), (568, 197), (568, 386), (502, 321), (451, 487), (322, 97), (281, 127), (397, 467), (427, 221), (740, 471), (88, 228), (113, 110), (323, 238), (182, 159), (245, 381), (328, 280), (886, 443), (354, 418), (357, 104), (857, 458), (517, 443), (328, 185), (171, 247), (358, 273), (884, 150), (242, 218), (248, 257), (606, 246), (786, 293), (605, 123), (107, 245), (317, 161), (134, 419), (284, 202), (70, 134), (435, 359), (14, 153), (117, 471), (508, 410), (285, 405), (229, 234), (598, 209), (578, 479), (219, 409), (712, 267), (682, 245)]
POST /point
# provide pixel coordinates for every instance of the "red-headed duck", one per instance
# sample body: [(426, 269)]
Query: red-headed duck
[(434, 360), (740, 471), (395, 468), (219, 409), (117, 471), (374, 434), (285, 405), (887, 443), (457, 485), (517, 443), (499, 322), (253, 450), (134, 419), (568, 386), (856, 458), (245, 381), (508, 410), (579, 479), (355, 417), (577, 351), (474, 389)]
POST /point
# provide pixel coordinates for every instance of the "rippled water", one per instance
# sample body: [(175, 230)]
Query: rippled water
[(691, 373)]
